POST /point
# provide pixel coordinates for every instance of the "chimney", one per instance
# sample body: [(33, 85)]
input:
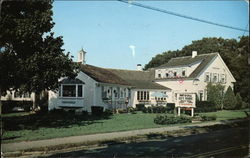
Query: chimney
[(81, 57), (139, 67), (194, 54)]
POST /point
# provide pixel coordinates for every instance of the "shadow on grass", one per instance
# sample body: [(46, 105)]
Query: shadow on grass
[(203, 145), (58, 119)]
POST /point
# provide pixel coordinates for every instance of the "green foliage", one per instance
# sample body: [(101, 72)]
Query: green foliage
[(31, 58), (233, 52), (229, 101), (158, 109), (205, 106), (139, 107), (165, 119), (215, 93), (10, 104), (239, 101), (208, 117)]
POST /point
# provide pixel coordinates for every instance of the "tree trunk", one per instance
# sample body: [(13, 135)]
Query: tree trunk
[(1, 121), (35, 101)]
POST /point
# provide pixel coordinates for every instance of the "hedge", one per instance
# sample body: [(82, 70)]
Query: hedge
[(205, 106), (8, 105), (164, 119)]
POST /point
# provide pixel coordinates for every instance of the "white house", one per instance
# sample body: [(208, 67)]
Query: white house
[(17, 96), (119, 89), (108, 88), (192, 73)]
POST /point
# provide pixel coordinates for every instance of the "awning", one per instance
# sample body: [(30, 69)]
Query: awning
[(159, 95)]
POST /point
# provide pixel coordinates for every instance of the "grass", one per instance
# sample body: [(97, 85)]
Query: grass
[(228, 114), (24, 126)]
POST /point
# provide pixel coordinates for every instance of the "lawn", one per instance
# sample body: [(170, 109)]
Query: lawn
[(24, 126)]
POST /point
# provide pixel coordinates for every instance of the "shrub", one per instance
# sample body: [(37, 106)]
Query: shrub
[(155, 109), (229, 99), (97, 110), (208, 118), (139, 107), (170, 107), (10, 104), (131, 110), (205, 106), (164, 119), (239, 101)]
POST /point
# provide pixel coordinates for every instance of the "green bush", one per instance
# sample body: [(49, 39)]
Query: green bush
[(139, 107), (229, 100), (131, 110), (155, 109), (10, 104), (164, 119), (208, 117), (97, 110), (205, 106)]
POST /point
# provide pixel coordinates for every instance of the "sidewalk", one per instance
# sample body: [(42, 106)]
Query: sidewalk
[(19, 146)]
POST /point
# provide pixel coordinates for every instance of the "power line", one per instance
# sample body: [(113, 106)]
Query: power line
[(181, 15)]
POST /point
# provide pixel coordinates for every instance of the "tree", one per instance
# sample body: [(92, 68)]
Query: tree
[(229, 100), (239, 101), (31, 58), (215, 94)]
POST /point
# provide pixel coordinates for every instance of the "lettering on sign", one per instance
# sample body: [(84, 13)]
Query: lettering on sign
[(185, 100)]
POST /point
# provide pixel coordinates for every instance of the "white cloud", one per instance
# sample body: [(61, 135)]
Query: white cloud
[(132, 47)]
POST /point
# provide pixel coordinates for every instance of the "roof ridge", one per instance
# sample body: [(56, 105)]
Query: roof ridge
[(197, 55), (127, 70)]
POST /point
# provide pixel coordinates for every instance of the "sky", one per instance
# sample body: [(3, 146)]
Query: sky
[(120, 35)]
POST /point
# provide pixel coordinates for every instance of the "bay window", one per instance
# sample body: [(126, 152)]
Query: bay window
[(71, 90)]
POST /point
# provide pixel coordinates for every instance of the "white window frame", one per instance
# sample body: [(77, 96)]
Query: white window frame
[(76, 89), (217, 77), (207, 74), (222, 76)]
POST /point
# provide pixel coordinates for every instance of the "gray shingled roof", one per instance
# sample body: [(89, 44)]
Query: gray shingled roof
[(204, 60), (139, 79), (102, 75)]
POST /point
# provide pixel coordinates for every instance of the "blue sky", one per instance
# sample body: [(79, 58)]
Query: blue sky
[(107, 30)]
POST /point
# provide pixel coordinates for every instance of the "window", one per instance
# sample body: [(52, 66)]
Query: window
[(201, 95), (159, 75), (183, 72), (175, 73), (143, 95), (215, 77), (69, 90), (222, 78), (79, 91), (167, 75), (21, 95), (207, 77)]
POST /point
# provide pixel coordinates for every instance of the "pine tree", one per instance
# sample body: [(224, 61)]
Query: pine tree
[(239, 101), (229, 101)]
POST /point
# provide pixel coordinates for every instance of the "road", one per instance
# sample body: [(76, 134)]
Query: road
[(232, 142)]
